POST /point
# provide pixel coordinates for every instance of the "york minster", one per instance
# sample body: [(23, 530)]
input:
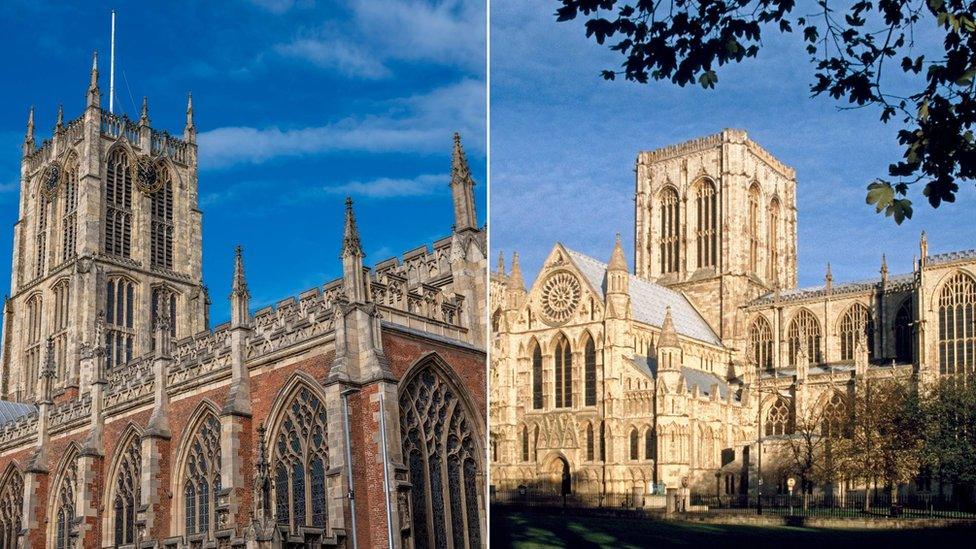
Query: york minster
[(692, 368)]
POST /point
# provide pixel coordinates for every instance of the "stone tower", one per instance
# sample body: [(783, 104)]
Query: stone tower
[(108, 231), (716, 219)]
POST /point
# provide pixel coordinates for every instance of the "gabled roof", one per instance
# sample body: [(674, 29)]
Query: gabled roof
[(12, 411), (649, 301), (693, 378)]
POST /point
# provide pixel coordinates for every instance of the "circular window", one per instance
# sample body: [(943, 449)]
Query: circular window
[(561, 294)]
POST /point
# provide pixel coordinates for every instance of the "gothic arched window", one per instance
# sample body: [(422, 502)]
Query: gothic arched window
[(589, 442), (64, 510), (904, 333), (120, 333), (299, 462), (201, 481), (761, 343), (779, 418), (707, 226), (754, 228), (537, 377), (957, 325), (670, 231), (11, 508), (634, 445), (772, 240), (440, 447), (40, 237), (649, 444), (32, 358), (855, 324), (69, 218), (161, 206), (834, 418), (525, 443), (62, 309), (563, 374), (804, 333), (603, 441), (118, 204), (589, 373), (126, 500)]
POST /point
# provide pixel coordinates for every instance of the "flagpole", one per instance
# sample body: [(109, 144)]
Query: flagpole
[(111, 72)]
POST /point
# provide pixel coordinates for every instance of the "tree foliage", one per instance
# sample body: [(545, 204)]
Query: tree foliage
[(854, 48), (949, 451)]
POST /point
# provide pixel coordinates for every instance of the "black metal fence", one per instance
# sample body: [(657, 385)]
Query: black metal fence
[(853, 505)]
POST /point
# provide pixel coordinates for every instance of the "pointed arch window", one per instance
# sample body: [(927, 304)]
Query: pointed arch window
[(761, 343), (779, 419), (62, 309), (32, 358), (804, 333), (525, 443), (772, 240), (707, 224), (161, 207), (649, 444), (201, 475), (126, 498), (670, 231), (589, 442), (120, 332), (40, 237), (563, 374), (118, 204), (589, 373), (603, 441), (855, 325), (957, 325), (537, 377), (11, 508), (754, 228), (69, 218), (834, 422), (634, 445), (905, 333), (444, 464), (64, 513), (301, 457)]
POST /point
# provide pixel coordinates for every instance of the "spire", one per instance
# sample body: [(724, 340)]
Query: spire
[(239, 294), (515, 281), (923, 248), (829, 278), (29, 135), (884, 268), (190, 129), (352, 258), (669, 338), (94, 96), (501, 263), (462, 189), (60, 123), (617, 260), (144, 113)]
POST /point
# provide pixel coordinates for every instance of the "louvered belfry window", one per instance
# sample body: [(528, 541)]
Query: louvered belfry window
[(118, 205), (161, 245)]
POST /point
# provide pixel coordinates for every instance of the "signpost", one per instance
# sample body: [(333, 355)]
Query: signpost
[(790, 483)]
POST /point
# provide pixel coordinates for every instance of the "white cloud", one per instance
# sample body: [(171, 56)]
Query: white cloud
[(337, 54), (421, 123), (386, 187)]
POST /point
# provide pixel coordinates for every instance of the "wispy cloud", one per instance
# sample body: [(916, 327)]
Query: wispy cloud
[(386, 187), (337, 54), (419, 123)]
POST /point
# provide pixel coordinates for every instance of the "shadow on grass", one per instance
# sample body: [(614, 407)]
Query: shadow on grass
[(544, 529)]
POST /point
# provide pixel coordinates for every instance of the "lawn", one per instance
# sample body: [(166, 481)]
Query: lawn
[(537, 529)]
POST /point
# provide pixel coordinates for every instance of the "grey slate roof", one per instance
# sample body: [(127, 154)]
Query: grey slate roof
[(649, 301), (797, 294), (12, 411), (693, 378)]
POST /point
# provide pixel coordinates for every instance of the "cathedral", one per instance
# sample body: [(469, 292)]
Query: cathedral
[(352, 415), (666, 378)]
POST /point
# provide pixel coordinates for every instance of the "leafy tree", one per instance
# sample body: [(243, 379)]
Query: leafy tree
[(852, 46), (949, 412), (817, 448)]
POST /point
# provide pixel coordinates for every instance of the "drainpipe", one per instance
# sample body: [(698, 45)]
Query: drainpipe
[(386, 471), (352, 495)]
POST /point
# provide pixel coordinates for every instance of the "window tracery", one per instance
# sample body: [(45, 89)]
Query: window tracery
[(707, 232), (127, 493), (118, 204), (670, 231), (120, 332), (40, 237), (444, 463), (563, 374), (300, 460), (804, 333), (589, 374), (855, 325), (11, 508), (69, 207), (62, 304), (161, 207), (561, 293), (957, 325), (772, 240), (201, 483), (779, 418), (754, 228), (904, 333), (64, 513), (32, 358), (761, 343), (834, 420)]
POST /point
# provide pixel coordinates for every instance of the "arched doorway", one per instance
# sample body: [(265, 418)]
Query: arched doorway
[(560, 477)]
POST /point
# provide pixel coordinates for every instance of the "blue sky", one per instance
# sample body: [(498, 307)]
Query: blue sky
[(297, 104), (564, 142)]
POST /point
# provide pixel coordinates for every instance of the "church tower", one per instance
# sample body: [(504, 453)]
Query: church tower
[(109, 231), (716, 219)]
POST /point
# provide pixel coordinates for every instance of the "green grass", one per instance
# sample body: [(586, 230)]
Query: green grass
[(538, 530)]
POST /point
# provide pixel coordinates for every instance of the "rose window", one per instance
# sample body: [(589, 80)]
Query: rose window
[(560, 295)]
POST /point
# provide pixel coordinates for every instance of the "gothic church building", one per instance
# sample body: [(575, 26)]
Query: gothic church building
[(351, 415), (611, 381)]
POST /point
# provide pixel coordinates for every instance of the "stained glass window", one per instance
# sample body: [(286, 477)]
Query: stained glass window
[(855, 324), (564, 374), (202, 472), (904, 333), (957, 326), (11, 507), (300, 459), (537, 377), (440, 448), (589, 374), (804, 333), (834, 418), (126, 496), (761, 343), (65, 505)]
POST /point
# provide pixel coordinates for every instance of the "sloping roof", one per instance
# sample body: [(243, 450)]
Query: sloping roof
[(12, 411), (693, 378), (796, 294), (649, 301)]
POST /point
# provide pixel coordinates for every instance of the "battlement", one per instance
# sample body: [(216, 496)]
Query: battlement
[(699, 144)]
